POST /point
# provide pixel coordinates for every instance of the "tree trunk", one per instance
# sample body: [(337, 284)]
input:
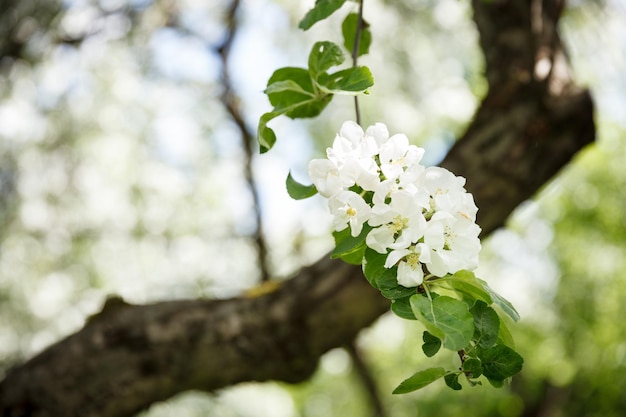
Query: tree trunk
[(531, 123)]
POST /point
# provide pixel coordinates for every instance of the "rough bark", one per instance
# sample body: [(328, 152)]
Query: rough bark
[(533, 119), (530, 125)]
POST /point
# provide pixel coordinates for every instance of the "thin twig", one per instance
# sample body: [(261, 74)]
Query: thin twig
[(355, 56), (362, 369), (231, 103), (369, 383)]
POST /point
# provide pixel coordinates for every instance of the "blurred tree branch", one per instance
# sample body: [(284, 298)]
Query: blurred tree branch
[(530, 124), (248, 141)]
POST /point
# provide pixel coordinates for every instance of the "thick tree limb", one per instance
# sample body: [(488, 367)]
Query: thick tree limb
[(130, 356), (530, 125), (533, 120)]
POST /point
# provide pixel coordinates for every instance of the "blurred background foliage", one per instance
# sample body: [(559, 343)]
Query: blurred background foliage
[(121, 172)]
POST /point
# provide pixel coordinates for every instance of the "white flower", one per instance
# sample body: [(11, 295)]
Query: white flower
[(410, 260), (346, 166), (401, 223), (325, 177), (396, 155), (353, 154), (453, 243), (378, 132), (352, 142), (351, 131), (447, 192), (421, 218), (349, 208)]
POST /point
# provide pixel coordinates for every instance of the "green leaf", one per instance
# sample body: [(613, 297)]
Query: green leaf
[(500, 362), (467, 286), (384, 279), (501, 302), (447, 318), (504, 336), (402, 308), (286, 86), (350, 81), (348, 247), (349, 29), (374, 267), (486, 324), (265, 135), (473, 367), (496, 384), (419, 380), (321, 10), (324, 55), (299, 191), (452, 380), (431, 345), (294, 93), (354, 258), (389, 287)]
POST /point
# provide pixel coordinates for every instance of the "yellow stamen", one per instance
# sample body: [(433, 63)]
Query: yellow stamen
[(413, 260)]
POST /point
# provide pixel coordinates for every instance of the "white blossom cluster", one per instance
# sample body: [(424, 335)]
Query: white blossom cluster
[(419, 216)]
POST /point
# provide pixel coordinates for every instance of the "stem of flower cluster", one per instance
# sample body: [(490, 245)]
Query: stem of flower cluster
[(427, 292), (355, 56)]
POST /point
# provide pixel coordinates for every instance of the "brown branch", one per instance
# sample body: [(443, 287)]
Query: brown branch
[(231, 103), (528, 127), (128, 357)]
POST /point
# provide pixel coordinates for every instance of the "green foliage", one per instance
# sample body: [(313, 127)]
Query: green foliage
[(446, 318), (348, 247), (401, 307), (321, 10), (466, 285), (486, 324), (349, 28), (385, 279), (323, 57), (420, 380), (431, 345), (500, 362), (501, 302), (350, 81), (452, 380), (299, 191), (304, 93), (472, 367)]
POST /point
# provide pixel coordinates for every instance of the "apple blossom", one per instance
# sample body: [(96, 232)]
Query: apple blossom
[(349, 209), (422, 219)]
